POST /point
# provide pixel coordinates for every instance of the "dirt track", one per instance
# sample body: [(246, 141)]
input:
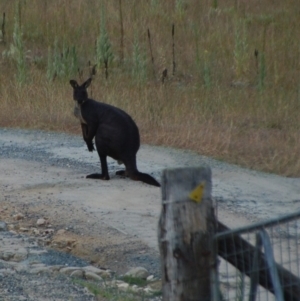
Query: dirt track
[(114, 223)]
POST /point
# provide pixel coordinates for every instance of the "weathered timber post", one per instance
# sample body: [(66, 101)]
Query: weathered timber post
[(186, 228)]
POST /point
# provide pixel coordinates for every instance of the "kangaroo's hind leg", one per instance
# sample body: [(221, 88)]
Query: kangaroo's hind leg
[(130, 166), (104, 175), (122, 173)]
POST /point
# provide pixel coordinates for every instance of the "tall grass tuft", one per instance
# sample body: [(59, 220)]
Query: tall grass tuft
[(154, 4), (262, 62), (121, 33), (17, 49), (179, 7), (240, 52), (265, 20), (139, 62), (214, 4), (61, 63), (104, 53), (206, 70), (2, 31), (262, 71)]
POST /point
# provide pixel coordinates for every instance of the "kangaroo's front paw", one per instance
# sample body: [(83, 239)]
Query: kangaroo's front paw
[(90, 146)]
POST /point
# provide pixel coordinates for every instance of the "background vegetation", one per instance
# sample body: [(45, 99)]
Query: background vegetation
[(232, 89)]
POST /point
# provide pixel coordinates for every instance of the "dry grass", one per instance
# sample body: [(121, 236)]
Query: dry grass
[(221, 102)]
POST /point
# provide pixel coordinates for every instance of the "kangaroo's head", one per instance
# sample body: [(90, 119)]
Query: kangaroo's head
[(79, 92)]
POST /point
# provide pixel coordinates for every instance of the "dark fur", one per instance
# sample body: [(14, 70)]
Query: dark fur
[(116, 134)]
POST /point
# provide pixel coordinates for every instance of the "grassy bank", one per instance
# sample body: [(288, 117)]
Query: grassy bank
[(232, 89)]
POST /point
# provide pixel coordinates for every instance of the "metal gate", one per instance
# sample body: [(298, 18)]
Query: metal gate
[(260, 262)]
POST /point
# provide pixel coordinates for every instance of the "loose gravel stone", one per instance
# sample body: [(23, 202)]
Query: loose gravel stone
[(41, 222), (3, 226), (138, 272), (92, 276), (78, 274), (68, 270), (18, 216), (102, 273)]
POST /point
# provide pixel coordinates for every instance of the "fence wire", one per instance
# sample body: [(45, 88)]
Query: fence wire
[(260, 262)]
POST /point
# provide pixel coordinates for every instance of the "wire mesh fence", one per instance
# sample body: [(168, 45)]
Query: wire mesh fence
[(260, 262)]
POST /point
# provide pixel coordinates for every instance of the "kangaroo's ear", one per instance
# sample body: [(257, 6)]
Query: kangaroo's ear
[(87, 83), (73, 83)]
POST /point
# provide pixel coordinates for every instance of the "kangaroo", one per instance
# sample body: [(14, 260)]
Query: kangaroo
[(116, 134)]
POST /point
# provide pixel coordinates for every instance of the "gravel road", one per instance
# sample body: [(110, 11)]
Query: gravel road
[(243, 191), (43, 174)]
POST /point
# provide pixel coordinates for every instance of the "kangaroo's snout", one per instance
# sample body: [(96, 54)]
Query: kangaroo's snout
[(79, 101)]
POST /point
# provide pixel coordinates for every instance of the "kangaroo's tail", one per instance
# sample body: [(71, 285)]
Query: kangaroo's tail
[(140, 176)]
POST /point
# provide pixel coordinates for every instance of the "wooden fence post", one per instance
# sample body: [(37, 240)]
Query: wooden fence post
[(185, 232)]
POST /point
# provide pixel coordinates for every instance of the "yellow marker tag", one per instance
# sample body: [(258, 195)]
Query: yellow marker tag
[(197, 194)]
